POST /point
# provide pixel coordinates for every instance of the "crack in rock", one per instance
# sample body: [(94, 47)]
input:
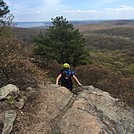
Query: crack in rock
[(54, 122)]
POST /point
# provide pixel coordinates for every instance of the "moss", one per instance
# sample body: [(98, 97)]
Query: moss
[(11, 99)]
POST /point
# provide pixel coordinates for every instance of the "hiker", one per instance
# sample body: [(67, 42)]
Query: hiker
[(65, 77)]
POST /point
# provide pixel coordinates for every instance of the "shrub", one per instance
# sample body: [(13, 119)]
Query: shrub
[(15, 67), (108, 80), (91, 74)]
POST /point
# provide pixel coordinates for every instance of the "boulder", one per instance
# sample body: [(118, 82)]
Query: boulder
[(9, 90)]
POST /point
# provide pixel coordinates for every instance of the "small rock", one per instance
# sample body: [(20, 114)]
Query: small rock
[(8, 121)]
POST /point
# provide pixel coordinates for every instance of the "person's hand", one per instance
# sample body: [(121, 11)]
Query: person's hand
[(80, 84)]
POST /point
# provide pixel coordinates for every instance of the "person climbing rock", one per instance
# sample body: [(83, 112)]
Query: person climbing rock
[(65, 77)]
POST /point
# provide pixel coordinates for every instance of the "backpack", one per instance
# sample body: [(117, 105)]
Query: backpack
[(67, 72)]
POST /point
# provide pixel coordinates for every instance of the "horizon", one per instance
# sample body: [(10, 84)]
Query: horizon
[(80, 20), (44, 10), (23, 24)]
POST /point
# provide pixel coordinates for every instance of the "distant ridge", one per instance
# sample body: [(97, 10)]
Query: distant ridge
[(121, 22), (49, 23), (74, 22)]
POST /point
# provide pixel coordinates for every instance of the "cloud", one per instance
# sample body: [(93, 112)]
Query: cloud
[(122, 8), (79, 11), (108, 1), (122, 12)]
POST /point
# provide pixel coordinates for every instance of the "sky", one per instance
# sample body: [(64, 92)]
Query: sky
[(44, 10)]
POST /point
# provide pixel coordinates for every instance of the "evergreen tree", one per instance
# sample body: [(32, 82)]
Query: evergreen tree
[(3, 8), (6, 18), (62, 42)]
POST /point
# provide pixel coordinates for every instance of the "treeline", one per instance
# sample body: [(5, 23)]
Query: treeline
[(26, 35), (104, 42), (124, 31)]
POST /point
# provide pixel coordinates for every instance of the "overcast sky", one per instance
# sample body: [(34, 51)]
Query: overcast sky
[(44, 10)]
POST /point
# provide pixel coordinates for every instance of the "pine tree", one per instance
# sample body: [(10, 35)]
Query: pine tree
[(62, 42), (6, 18), (3, 8)]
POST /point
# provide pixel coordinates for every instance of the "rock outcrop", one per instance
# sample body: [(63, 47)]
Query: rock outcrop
[(91, 111)]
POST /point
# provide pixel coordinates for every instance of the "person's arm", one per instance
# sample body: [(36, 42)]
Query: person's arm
[(76, 79), (58, 78)]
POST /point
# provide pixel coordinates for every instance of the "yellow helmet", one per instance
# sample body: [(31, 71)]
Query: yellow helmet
[(66, 66)]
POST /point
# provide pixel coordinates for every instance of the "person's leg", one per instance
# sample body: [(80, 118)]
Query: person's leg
[(63, 83), (70, 85)]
